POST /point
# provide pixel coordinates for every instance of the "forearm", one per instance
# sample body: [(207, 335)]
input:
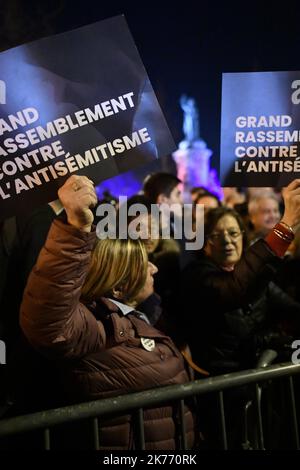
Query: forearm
[(50, 307)]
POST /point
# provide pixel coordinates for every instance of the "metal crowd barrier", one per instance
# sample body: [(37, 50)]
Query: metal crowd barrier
[(135, 402)]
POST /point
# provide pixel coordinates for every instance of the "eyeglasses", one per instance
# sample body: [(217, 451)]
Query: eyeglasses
[(216, 237)]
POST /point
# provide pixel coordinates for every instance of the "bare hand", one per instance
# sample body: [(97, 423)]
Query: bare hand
[(78, 196), (291, 196)]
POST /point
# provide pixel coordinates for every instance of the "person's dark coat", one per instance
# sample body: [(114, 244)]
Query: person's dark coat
[(229, 316)]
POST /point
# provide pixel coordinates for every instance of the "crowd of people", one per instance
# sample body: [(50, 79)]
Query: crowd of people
[(108, 316)]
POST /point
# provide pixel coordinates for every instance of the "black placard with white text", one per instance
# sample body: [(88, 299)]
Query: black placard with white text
[(78, 102), (260, 131)]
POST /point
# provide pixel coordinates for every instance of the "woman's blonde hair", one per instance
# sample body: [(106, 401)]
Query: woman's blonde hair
[(116, 264)]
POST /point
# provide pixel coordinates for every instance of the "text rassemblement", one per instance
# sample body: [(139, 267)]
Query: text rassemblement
[(58, 126)]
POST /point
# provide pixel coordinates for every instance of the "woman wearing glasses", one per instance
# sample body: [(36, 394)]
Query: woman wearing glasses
[(230, 305), (233, 311)]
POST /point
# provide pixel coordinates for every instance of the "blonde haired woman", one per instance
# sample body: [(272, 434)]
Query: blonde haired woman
[(124, 268), (78, 307)]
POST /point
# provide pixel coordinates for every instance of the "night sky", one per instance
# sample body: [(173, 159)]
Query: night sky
[(185, 48)]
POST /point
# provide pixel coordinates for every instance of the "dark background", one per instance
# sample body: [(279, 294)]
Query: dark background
[(184, 47)]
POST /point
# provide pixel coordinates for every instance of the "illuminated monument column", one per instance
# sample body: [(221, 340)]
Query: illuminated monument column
[(193, 157)]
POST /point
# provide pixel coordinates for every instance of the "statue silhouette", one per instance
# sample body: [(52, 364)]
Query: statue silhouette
[(190, 119)]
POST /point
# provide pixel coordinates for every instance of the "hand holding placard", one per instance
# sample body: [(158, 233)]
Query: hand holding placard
[(291, 196), (78, 196)]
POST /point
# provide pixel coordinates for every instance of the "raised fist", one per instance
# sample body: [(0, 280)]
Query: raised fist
[(78, 196), (291, 196)]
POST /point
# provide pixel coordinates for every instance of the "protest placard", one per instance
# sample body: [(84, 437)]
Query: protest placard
[(260, 130), (78, 102)]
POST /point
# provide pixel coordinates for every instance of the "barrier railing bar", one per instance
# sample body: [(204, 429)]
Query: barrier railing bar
[(132, 401), (223, 420), (294, 412), (139, 431), (246, 445), (46, 436), (182, 427), (259, 417), (95, 429)]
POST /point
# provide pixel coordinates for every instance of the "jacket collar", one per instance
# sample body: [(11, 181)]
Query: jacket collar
[(125, 309)]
